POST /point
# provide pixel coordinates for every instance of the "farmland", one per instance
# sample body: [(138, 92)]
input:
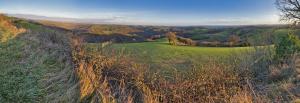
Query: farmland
[(46, 61)]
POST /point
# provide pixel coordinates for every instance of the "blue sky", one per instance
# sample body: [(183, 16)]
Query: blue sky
[(152, 12)]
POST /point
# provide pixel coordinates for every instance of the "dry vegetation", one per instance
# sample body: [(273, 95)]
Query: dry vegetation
[(7, 29), (255, 77), (118, 79), (172, 38)]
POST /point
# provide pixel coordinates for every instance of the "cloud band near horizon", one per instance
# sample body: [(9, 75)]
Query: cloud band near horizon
[(154, 12)]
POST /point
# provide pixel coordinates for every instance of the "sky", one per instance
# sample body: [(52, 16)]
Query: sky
[(152, 12)]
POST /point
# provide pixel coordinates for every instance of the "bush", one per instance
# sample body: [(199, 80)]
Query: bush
[(187, 41), (286, 46)]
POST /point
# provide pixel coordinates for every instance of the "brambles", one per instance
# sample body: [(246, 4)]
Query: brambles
[(107, 79), (117, 78)]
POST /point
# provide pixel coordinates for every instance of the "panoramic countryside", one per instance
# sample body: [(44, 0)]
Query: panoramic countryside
[(149, 51)]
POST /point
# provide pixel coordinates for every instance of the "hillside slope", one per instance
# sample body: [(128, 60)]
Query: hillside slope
[(7, 29), (36, 65)]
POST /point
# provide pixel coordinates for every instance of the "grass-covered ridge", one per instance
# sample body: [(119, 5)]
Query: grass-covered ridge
[(35, 66), (7, 29)]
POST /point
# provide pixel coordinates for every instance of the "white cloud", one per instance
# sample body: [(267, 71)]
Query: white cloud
[(146, 18)]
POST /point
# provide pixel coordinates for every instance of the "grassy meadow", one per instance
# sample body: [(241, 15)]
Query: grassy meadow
[(160, 56)]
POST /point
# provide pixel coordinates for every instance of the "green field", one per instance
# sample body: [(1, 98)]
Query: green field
[(160, 53), (27, 61)]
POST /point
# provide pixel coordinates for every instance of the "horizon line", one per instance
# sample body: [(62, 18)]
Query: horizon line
[(88, 21)]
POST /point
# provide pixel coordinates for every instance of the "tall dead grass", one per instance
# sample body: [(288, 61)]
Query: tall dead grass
[(118, 79), (7, 29), (252, 77), (270, 78)]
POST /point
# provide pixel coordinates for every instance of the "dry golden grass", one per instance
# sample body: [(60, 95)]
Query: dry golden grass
[(254, 77), (118, 79), (7, 29)]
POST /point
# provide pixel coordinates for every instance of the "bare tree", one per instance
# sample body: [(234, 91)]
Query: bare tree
[(290, 10)]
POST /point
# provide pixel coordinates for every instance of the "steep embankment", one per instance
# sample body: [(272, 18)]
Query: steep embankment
[(7, 29), (36, 64)]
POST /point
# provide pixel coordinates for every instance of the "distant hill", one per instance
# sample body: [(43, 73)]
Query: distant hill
[(203, 35)]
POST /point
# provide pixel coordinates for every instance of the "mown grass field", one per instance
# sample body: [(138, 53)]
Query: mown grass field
[(160, 54)]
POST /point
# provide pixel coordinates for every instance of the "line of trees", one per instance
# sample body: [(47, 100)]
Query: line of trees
[(174, 40)]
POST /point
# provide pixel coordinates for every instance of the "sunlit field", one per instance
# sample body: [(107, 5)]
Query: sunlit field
[(160, 53)]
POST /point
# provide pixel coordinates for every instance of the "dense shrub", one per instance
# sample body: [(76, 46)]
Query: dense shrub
[(286, 45)]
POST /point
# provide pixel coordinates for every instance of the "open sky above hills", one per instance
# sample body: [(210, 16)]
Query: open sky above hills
[(151, 12)]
